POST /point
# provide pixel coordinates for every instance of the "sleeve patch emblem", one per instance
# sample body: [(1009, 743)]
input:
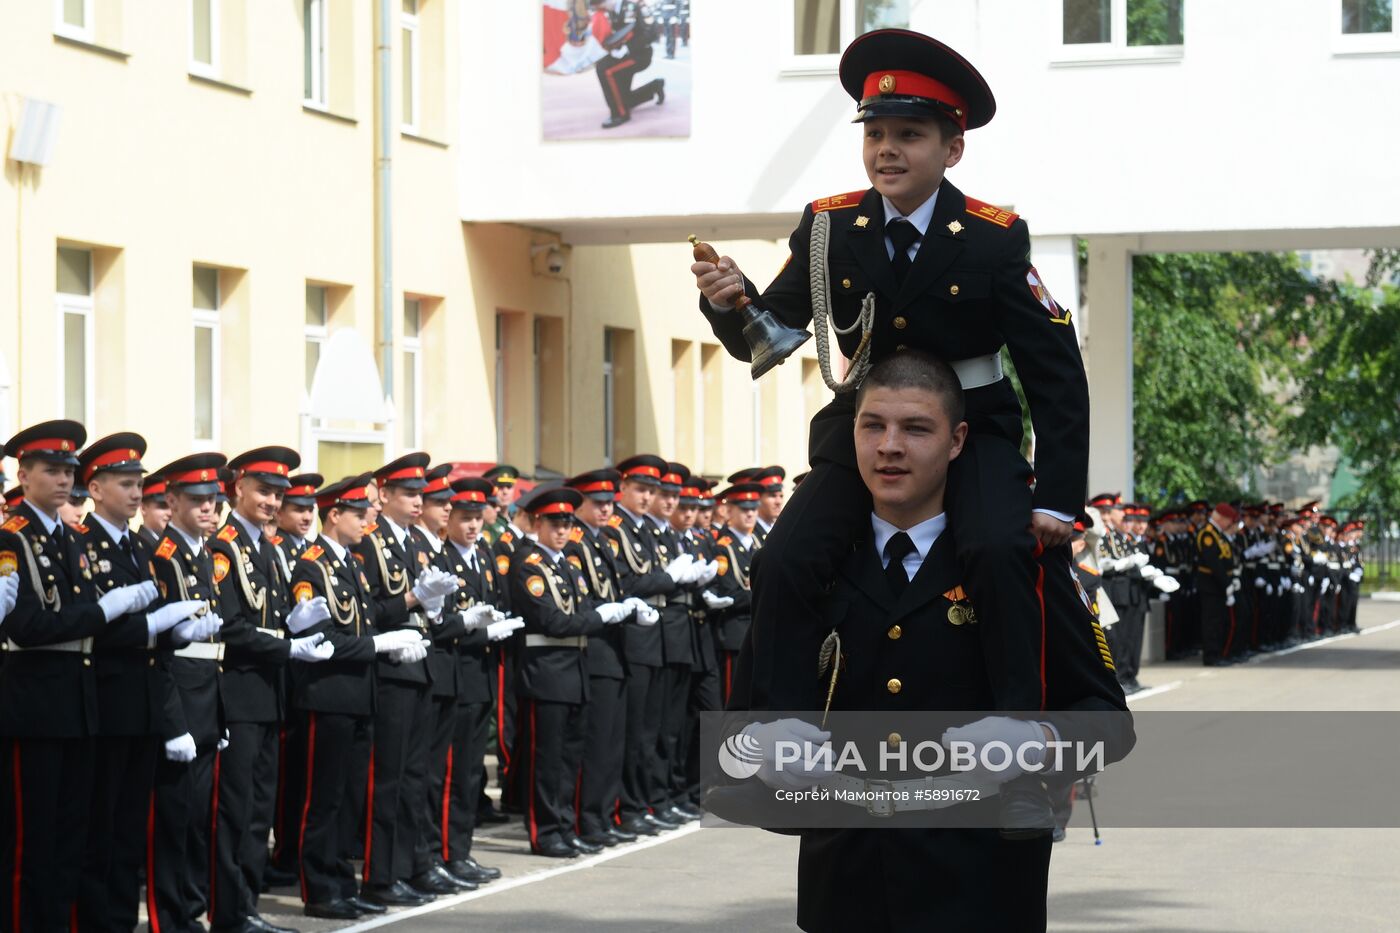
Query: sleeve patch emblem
[(723, 562), (1041, 294), (502, 564), (302, 592), (9, 563), (220, 568), (536, 586)]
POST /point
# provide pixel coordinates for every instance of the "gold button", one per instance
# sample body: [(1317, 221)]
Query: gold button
[(894, 740), (895, 631), (845, 283), (894, 686), (151, 662), (900, 323), (87, 662), (952, 289)]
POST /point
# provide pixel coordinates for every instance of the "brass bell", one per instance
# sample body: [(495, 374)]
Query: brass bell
[(770, 340)]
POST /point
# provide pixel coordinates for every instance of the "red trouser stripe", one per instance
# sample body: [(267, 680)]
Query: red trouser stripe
[(612, 80), (306, 803), (1230, 635), (213, 837), (281, 789), (534, 829), (18, 882), (447, 806), (151, 912), (501, 750), (369, 815), (728, 676)]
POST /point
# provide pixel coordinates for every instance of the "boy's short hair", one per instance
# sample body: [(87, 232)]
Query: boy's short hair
[(915, 369), (947, 127)]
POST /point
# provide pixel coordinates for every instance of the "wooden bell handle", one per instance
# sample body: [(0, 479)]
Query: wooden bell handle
[(704, 252)]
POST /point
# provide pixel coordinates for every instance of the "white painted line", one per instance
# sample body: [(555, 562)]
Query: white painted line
[(496, 887), (1385, 596), (1371, 630), (1154, 691)]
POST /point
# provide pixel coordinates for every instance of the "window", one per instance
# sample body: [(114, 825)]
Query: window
[(1099, 30), (314, 58), (1367, 17), (609, 398), (204, 37), (411, 409), (73, 18), (317, 319), (206, 354), (76, 380), (822, 28), (411, 56)]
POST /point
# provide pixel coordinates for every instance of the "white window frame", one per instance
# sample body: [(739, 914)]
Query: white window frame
[(609, 398), (203, 318), (1116, 50), (208, 69), (1373, 43), (318, 23), (413, 346), (84, 307), (410, 23), (314, 333), (792, 63), (61, 27)]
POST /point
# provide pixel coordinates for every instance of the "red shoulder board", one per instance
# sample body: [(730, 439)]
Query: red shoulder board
[(15, 524), (275, 539), (313, 553), (534, 558), (724, 541), (991, 213), (615, 521), (372, 528), (576, 535), (838, 201), (166, 550), (507, 537), (228, 533)]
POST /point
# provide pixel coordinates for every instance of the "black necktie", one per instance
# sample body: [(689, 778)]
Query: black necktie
[(895, 550), (903, 235), (126, 549)]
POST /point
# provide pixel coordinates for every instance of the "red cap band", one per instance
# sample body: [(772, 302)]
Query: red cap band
[(405, 473), (913, 84), (470, 495), (644, 471), (773, 480), (603, 485), (264, 466), (555, 508), (194, 476), (153, 489), (741, 497), (690, 492), (300, 491), (112, 456), (47, 443), (437, 485)]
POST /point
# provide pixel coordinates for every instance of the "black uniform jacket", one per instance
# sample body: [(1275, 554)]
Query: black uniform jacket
[(449, 629), (970, 291), (640, 568), (589, 551), (195, 706), (253, 601), (552, 599), (735, 561), (473, 653), (345, 683), (49, 693), (391, 569)]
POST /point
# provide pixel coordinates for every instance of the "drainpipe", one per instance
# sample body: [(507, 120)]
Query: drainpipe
[(384, 230)]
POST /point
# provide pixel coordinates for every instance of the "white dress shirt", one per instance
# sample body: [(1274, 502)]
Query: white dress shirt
[(923, 535), (921, 217)]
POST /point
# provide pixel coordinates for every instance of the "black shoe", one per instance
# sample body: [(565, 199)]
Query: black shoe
[(676, 815), (605, 839), (397, 894), (639, 826), (661, 821), (274, 877), (256, 924), (365, 907), (615, 121), (438, 880), (661, 92), (621, 835), (691, 810), (472, 870), (1215, 662), (1025, 809), (1058, 835), (490, 815), (341, 909), (555, 849), (587, 848)]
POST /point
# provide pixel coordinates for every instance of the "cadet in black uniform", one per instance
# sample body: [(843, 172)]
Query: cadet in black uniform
[(48, 689), (737, 544), (177, 877), (155, 510), (629, 45), (481, 589), (131, 682), (550, 594), (931, 269), (702, 686), (1215, 566)]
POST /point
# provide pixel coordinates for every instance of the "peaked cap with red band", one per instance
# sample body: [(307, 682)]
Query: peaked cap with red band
[(900, 73), (644, 468), (561, 500), (471, 492), (271, 465), (302, 490), (598, 485), (409, 471), (349, 493), (438, 487), (197, 474), (55, 441), (116, 453)]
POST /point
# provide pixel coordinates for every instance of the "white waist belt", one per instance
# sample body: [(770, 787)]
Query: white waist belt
[(546, 641), (202, 650), (886, 798), (658, 601), (272, 632), (978, 371), (77, 645)]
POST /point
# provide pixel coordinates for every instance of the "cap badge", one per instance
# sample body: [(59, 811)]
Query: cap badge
[(862, 221), (887, 84)]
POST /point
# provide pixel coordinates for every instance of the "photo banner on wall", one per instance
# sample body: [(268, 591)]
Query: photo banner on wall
[(616, 68)]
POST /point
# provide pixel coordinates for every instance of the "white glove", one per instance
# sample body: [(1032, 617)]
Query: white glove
[(9, 592), (704, 574), (167, 617), (223, 743), (412, 653), (1026, 740), (1299, 588), (1319, 557), (1234, 586), (124, 599), (394, 641), (480, 616), (1259, 583), (1326, 585), (612, 613), (433, 606), (1230, 599), (180, 748), (679, 569), (308, 613), (646, 615), (499, 631), (1139, 559), (1149, 572), (433, 582), (1166, 584), (1123, 564), (795, 754), (312, 648), (716, 602), (197, 629)]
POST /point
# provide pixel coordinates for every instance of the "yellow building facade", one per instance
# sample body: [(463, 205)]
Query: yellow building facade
[(189, 222)]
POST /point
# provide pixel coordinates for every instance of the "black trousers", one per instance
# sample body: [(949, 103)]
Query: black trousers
[(552, 737), (177, 868), (1127, 640), (606, 730), (396, 782), (704, 698), (506, 717), (642, 728), (989, 508), (1215, 623), (242, 821), (291, 785), (616, 75), (440, 728), (471, 729), (728, 663), (44, 799), (669, 760), (331, 743), (109, 894), (354, 815)]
